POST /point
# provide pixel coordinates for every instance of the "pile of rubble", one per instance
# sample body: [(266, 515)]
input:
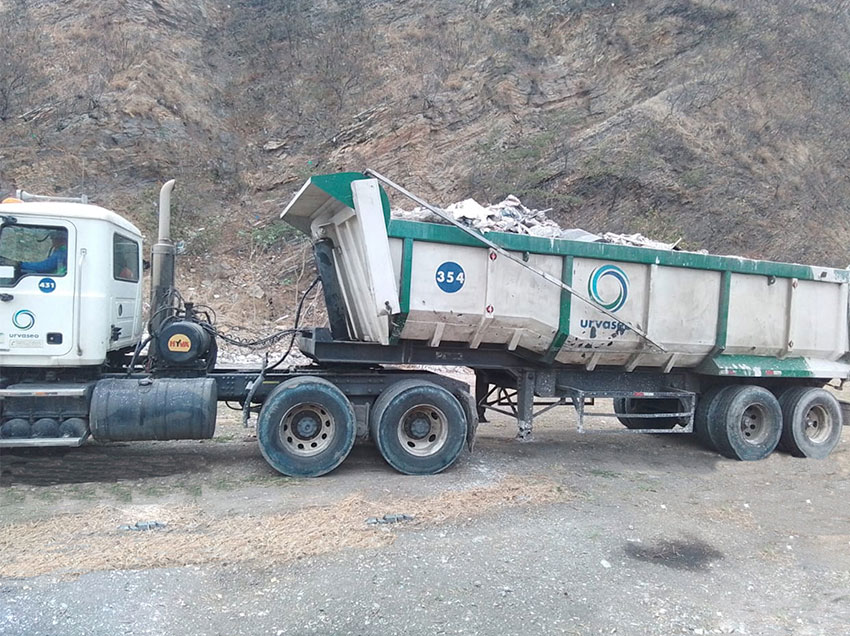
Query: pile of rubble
[(244, 358), (512, 216)]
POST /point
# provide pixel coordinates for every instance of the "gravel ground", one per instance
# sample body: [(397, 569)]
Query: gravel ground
[(646, 535)]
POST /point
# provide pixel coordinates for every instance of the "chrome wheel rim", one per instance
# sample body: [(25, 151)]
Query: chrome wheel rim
[(817, 425), (306, 429), (754, 424), (423, 430)]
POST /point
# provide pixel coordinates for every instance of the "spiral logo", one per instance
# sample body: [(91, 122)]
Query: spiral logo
[(610, 301), (24, 319)]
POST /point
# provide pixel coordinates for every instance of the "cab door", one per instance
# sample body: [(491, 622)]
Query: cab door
[(37, 266), (126, 291)]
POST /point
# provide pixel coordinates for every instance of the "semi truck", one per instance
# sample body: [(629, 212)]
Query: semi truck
[(738, 351)]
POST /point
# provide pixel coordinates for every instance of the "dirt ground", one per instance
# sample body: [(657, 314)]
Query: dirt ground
[(569, 534)]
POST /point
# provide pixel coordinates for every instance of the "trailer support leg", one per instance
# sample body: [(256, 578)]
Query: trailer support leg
[(525, 406)]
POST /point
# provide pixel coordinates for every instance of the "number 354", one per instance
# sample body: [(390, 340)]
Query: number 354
[(450, 277)]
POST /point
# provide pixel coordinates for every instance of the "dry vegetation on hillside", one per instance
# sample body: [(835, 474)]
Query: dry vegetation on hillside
[(721, 122)]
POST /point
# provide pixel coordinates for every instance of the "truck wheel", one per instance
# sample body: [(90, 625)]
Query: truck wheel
[(811, 422), (624, 407), (306, 427), (748, 423), (707, 412), (418, 427)]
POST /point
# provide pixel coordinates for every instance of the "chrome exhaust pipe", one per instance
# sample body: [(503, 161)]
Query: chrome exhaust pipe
[(163, 255), (165, 211)]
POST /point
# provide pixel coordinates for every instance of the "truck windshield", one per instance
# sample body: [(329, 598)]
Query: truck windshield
[(32, 249)]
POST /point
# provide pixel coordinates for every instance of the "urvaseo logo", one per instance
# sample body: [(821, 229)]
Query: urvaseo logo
[(47, 285), (24, 319), (610, 299), (450, 277)]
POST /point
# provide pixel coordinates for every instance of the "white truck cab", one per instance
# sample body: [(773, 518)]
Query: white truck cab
[(70, 284), (71, 330)]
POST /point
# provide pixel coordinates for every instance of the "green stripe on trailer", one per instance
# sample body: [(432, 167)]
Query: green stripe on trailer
[(723, 314), (338, 186), (757, 367), (404, 292), (564, 316), (436, 233), (406, 273)]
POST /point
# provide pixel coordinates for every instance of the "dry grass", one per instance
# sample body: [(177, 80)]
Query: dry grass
[(78, 543), (728, 514)]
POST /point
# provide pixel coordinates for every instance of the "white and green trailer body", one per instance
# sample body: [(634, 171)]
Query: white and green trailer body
[(695, 323)]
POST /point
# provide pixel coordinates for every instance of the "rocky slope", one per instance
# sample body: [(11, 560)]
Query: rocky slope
[(725, 124)]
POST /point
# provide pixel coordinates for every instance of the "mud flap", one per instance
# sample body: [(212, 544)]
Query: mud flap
[(467, 403)]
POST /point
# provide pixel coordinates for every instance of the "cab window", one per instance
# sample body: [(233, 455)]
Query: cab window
[(32, 250), (125, 259)]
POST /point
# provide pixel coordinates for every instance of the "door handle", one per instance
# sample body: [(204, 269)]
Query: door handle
[(6, 297)]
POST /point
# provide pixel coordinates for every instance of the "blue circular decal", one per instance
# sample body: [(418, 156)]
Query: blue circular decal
[(47, 285), (450, 277), (23, 319)]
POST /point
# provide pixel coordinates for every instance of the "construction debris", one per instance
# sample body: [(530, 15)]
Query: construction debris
[(144, 525), (637, 240), (389, 519), (512, 216)]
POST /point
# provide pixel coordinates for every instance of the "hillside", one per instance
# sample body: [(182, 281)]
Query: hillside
[(723, 123)]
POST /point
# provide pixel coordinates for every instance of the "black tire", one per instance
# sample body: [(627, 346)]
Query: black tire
[(707, 412), (748, 423), (783, 395), (418, 427), (621, 408), (811, 422), (624, 407), (306, 427)]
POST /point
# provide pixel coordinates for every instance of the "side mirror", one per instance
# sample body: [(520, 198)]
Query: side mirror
[(146, 264)]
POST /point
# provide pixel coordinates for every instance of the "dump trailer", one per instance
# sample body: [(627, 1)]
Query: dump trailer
[(736, 350)]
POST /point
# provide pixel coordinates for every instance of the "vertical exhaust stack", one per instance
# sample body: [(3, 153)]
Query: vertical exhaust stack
[(162, 264)]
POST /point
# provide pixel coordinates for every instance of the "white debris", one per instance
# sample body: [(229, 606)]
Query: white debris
[(469, 210), (577, 234), (636, 240), (512, 216)]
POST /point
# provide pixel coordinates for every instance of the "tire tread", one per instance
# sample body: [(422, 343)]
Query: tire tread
[(724, 432)]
